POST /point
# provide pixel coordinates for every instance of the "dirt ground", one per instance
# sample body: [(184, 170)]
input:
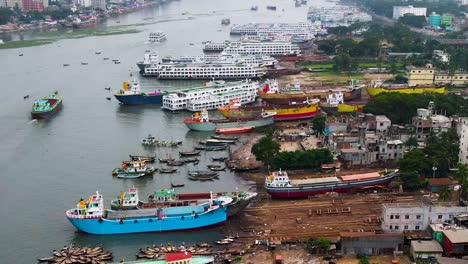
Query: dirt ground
[(375, 259)]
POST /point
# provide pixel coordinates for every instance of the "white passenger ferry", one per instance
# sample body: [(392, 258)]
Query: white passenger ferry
[(148, 59), (215, 46), (204, 70), (215, 94), (271, 28), (263, 48), (255, 60), (157, 37)]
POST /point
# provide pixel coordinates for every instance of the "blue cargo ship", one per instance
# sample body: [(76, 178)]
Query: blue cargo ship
[(131, 95), (91, 217)]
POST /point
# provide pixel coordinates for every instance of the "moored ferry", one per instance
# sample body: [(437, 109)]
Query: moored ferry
[(157, 37), (149, 58), (290, 111), (204, 70), (262, 48), (254, 60), (91, 217), (278, 184), (210, 46), (131, 94), (279, 28), (379, 88), (201, 122), (273, 94), (47, 106), (130, 200), (211, 96)]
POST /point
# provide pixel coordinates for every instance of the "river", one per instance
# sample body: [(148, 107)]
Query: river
[(47, 165)]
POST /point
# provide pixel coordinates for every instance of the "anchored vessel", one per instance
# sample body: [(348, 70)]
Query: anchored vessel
[(133, 169), (211, 96), (290, 111), (379, 88), (149, 58), (91, 217), (204, 70), (131, 95), (157, 37), (279, 185), (46, 106), (262, 48), (254, 60), (296, 29), (130, 200), (273, 94), (201, 122)]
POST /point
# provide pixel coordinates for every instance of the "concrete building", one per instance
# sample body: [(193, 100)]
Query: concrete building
[(84, 3), (419, 75), (369, 243), (458, 78), (426, 122), (441, 56), (33, 5), (425, 250), (455, 242), (400, 217), (383, 123), (391, 150), (3, 4), (101, 4), (13, 3), (355, 157), (434, 184), (463, 133), (399, 11)]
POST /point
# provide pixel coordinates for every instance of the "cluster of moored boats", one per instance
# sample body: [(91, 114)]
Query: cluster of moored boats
[(155, 252), (71, 255)]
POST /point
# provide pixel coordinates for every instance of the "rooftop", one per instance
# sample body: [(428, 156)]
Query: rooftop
[(457, 236), (426, 246), (440, 181), (353, 150), (444, 260), (382, 118), (368, 234)]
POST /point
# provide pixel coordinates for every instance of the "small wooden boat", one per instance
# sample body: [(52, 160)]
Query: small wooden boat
[(189, 153), (97, 52), (21, 55), (84, 63), (234, 130), (222, 159), (175, 185), (202, 173), (175, 163), (190, 160), (143, 158), (203, 177), (245, 169), (105, 58), (167, 170), (131, 175), (212, 143), (215, 148), (224, 138), (223, 242), (219, 141), (166, 160), (216, 167), (65, 65)]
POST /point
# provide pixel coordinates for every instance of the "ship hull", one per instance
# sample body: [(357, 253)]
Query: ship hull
[(343, 187), (375, 91), (47, 114), (284, 98), (212, 126), (141, 66), (150, 224), (282, 114), (139, 99)]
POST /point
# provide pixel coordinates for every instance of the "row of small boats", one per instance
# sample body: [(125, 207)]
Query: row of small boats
[(155, 252), (71, 254)]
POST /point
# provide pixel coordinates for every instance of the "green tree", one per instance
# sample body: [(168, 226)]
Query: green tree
[(318, 124), (461, 175), (444, 193), (6, 14), (414, 160), (364, 260), (412, 143), (265, 150), (344, 63), (322, 243), (410, 181), (412, 20)]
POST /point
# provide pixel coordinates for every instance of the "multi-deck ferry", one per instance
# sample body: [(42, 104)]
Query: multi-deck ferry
[(204, 70), (211, 96), (263, 48), (149, 58), (271, 28)]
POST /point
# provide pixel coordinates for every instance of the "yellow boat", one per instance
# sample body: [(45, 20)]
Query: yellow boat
[(373, 91), (283, 112)]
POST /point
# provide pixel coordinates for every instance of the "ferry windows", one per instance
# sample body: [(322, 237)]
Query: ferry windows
[(416, 227)]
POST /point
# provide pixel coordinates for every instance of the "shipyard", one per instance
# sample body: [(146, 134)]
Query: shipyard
[(182, 131)]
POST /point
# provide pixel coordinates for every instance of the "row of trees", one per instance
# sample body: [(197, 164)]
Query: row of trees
[(309, 159), (8, 15), (400, 108)]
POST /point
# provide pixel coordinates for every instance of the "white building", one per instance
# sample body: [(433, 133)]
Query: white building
[(383, 123), (101, 4), (441, 56), (3, 4), (399, 217), (399, 11), (84, 3), (463, 133)]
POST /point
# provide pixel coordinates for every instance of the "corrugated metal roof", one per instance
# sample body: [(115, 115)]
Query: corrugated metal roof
[(360, 176), (458, 236), (315, 181), (426, 246)]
